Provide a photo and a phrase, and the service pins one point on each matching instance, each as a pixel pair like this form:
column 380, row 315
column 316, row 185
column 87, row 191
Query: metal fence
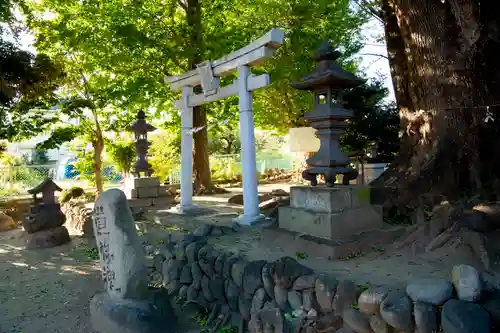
column 225, row 166
column 16, row 180
column 367, row 172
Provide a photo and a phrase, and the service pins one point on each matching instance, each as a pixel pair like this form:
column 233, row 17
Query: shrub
column 122, row 154
column 73, row 192
column 225, row 168
column 163, row 154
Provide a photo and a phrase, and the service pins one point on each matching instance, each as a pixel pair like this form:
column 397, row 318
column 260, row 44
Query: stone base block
column 147, row 192
column 324, row 199
column 163, row 191
column 146, row 182
column 331, row 226
column 48, row 238
column 137, row 205
column 154, row 315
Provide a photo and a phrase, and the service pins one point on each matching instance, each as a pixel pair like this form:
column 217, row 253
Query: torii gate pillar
column 251, row 212
column 208, row 76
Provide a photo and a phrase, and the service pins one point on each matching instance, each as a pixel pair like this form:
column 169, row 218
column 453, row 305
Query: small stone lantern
column 45, row 221
column 329, row 117
column 141, row 128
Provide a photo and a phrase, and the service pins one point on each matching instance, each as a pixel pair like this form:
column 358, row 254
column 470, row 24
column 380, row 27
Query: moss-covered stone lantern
column 329, row 117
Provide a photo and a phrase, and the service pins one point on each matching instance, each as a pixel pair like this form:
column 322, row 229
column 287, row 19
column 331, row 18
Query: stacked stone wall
column 284, row 295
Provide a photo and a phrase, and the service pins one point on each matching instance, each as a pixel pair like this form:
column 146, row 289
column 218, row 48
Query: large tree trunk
column 445, row 68
column 203, row 177
column 201, row 163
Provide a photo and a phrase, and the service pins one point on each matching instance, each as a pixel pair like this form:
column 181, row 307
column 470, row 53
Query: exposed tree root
column 454, row 226
column 202, row 190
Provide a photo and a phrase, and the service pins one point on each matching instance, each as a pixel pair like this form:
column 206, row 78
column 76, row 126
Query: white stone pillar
column 251, row 212
column 186, row 150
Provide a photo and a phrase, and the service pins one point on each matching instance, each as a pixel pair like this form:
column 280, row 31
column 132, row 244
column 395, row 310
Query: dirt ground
column 45, row 290
column 49, row 290
column 381, row 266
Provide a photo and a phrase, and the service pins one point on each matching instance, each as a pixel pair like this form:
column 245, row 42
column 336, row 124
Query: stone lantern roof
column 46, row 186
column 140, row 126
column 47, row 189
column 328, row 73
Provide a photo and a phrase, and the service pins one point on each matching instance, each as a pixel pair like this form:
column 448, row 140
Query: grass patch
column 172, row 228
column 229, row 329
column 89, row 252
column 301, row 255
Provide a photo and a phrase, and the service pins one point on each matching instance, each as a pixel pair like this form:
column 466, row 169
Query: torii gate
column 207, row 75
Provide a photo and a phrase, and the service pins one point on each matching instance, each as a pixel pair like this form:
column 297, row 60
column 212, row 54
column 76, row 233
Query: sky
column 373, row 65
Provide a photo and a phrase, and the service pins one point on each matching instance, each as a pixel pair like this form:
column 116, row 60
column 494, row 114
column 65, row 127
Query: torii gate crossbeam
column 208, row 76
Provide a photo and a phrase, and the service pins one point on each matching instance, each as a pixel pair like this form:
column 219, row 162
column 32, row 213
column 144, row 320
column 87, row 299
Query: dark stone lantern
column 141, row 128
column 329, row 116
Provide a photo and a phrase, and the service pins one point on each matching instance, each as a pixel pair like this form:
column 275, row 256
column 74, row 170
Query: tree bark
column 445, row 69
column 203, row 177
column 98, row 149
column 201, row 162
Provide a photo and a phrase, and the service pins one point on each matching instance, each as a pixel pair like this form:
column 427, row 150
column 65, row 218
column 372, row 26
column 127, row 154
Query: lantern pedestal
column 330, row 212
column 147, row 193
column 335, row 222
column 334, row 219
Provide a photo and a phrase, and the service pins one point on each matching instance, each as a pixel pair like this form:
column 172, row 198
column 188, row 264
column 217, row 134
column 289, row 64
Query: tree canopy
column 27, row 82
column 114, row 56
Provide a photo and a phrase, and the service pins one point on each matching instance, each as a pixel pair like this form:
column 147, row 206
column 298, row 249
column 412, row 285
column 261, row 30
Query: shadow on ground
column 46, row 290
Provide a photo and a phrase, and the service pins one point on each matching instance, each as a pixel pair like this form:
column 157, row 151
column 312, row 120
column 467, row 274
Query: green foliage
column 27, row 82
column 224, row 141
column 373, row 121
column 85, row 165
column 306, row 23
column 229, row 329
column 164, row 153
column 122, row 155
column 28, row 177
column 128, row 48
column 301, row 255
column 89, row 252
column 27, row 90
column 116, row 53
column 3, row 147
column 225, row 168
column 59, row 136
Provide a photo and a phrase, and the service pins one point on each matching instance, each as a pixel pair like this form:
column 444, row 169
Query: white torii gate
column 208, row 76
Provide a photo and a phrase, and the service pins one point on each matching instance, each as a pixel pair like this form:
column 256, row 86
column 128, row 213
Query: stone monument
column 44, row 223
column 145, row 192
column 331, row 212
column 128, row 305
